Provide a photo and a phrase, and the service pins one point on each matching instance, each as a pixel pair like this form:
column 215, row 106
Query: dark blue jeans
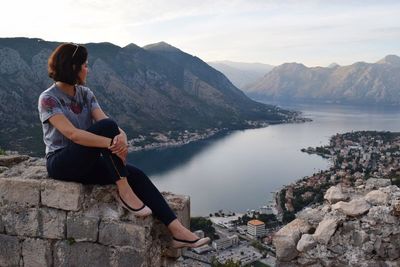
column 92, row 165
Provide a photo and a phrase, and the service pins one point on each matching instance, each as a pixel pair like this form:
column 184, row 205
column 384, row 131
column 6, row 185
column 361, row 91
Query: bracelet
column 112, row 139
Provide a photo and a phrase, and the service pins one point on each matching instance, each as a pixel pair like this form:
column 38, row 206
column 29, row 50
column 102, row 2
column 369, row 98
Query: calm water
column 238, row 171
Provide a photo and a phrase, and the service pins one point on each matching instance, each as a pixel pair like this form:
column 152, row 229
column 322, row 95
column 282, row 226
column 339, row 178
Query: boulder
column 377, row 197
column 285, row 240
column 353, row 208
column 334, row 194
column 306, row 242
column 325, row 230
column 376, row 183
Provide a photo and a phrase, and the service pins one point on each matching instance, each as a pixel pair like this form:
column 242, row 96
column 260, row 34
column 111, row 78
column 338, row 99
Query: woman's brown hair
column 65, row 63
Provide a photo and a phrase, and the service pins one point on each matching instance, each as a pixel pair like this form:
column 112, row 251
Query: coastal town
column 246, row 239
column 156, row 140
column 354, row 157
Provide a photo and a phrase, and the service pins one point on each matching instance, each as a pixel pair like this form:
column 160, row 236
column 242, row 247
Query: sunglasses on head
column 76, row 49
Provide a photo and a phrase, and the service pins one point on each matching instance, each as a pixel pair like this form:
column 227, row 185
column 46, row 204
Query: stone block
column 3, row 169
column 180, row 204
column 82, row 228
column 23, row 222
column 125, row 256
column 10, row 250
column 11, row 160
column 34, row 172
column 122, row 234
column 2, row 224
column 81, row 254
column 62, row 195
column 24, row 192
column 36, row 252
column 52, row 223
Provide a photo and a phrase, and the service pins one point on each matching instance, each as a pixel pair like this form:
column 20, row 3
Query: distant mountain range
column 154, row 88
column 362, row 83
column 239, row 73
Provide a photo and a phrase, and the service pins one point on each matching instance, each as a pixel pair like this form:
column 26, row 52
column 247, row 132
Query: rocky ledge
column 45, row 222
column 356, row 226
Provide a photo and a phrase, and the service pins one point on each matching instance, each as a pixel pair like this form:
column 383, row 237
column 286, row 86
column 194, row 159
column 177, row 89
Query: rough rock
column 325, row 230
column 285, row 240
column 396, row 208
column 376, row 183
column 306, row 242
column 353, row 208
column 377, row 197
column 334, row 194
column 351, row 233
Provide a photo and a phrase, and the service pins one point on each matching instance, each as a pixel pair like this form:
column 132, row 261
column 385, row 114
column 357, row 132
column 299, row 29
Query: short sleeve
column 93, row 104
column 48, row 106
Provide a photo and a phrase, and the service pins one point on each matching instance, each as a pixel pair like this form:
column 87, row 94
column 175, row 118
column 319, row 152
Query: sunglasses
column 76, row 49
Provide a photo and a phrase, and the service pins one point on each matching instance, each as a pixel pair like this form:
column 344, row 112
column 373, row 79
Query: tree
column 201, row 223
column 228, row 263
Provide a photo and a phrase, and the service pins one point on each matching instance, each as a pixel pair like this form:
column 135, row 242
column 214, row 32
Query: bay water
column 239, row 170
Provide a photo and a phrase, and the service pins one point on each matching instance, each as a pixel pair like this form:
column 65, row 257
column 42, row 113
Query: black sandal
column 141, row 212
column 180, row 243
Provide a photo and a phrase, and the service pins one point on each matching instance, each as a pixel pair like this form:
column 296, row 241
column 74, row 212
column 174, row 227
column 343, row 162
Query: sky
column 312, row 32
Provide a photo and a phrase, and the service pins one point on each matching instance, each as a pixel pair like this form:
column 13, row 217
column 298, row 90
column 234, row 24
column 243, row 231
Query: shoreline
column 175, row 139
column 354, row 157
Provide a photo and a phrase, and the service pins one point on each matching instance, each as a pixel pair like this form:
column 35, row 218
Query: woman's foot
column 128, row 199
column 143, row 211
column 179, row 243
column 183, row 237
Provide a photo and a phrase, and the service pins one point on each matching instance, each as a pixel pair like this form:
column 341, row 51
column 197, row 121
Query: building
column 202, row 249
column 241, row 229
column 224, row 243
column 256, row 228
column 266, row 209
column 243, row 254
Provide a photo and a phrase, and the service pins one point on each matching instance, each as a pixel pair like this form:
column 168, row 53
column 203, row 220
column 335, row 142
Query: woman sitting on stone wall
column 80, row 150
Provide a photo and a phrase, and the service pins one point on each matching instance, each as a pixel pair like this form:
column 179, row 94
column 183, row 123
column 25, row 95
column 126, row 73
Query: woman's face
column 83, row 73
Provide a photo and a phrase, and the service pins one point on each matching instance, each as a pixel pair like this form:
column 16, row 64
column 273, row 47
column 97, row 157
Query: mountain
column 239, row 73
column 358, row 83
column 152, row 89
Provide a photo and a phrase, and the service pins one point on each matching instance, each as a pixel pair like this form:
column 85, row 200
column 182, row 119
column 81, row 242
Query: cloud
column 270, row 31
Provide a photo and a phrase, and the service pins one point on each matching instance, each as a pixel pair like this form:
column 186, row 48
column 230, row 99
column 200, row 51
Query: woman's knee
column 108, row 127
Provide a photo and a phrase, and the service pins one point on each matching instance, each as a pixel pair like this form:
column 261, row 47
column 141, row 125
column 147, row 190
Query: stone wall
column 45, row 222
column 356, row 226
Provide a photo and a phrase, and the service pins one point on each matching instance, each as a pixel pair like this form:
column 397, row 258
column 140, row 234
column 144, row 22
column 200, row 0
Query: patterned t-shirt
column 76, row 108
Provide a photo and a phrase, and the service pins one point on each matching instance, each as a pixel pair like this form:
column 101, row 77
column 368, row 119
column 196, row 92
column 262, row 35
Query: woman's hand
column 119, row 144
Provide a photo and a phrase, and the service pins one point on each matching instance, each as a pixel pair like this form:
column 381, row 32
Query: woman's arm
column 78, row 136
column 120, row 145
column 98, row 114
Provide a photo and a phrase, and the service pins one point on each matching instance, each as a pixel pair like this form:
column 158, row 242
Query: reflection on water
column 164, row 160
column 238, row 171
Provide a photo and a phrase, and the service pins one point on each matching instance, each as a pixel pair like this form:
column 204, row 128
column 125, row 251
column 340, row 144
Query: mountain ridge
column 145, row 91
column 360, row 82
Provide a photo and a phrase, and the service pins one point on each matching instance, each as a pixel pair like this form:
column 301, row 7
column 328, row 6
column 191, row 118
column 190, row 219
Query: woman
column 84, row 145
